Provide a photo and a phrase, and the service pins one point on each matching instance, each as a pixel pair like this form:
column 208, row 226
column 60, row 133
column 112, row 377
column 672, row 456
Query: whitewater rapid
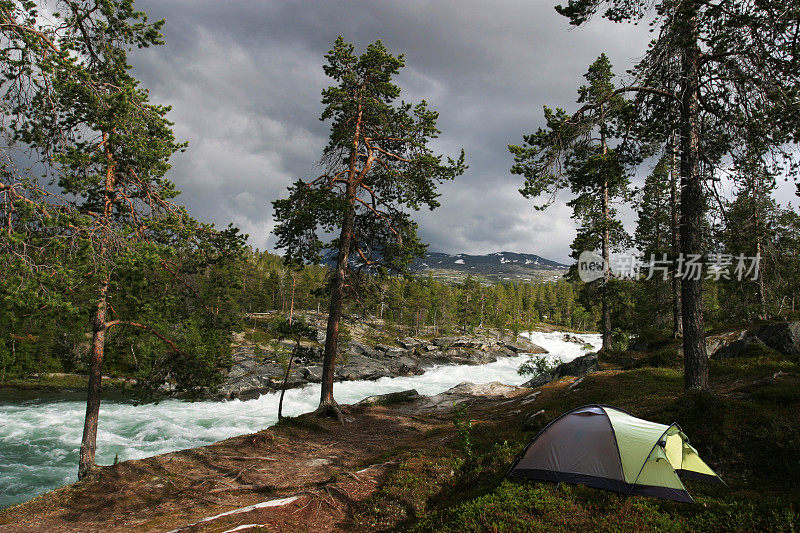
column 39, row 438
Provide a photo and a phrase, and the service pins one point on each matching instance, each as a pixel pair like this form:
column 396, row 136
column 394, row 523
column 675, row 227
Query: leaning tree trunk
column 677, row 322
column 695, row 358
column 327, row 404
column 86, row 461
column 760, row 294
column 286, row 381
column 606, row 311
column 89, row 441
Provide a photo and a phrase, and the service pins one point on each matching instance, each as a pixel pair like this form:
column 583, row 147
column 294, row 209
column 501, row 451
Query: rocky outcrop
column 391, row 398
column 578, row 367
column 783, row 337
column 253, row 375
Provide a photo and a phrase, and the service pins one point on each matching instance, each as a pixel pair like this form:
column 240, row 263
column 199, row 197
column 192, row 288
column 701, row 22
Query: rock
column 470, row 357
column 396, row 352
column 465, row 343
column 572, row 338
column 357, row 347
column 715, row 343
column 313, row 374
column 494, row 388
column 505, row 352
column 406, row 366
column 541, row 379
column 409, row 343
column 250, row 376
column 523, row 346
column 436, row 357
column 784, row 337
column 464, row 392
column 737, row 348
column 578, row 367
column 445, row 342
column 390, row 398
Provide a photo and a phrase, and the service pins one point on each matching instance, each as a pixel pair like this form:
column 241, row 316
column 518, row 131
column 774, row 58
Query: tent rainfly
column 608, row 448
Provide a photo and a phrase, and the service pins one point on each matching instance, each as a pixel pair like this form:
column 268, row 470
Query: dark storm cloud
column 244, row 80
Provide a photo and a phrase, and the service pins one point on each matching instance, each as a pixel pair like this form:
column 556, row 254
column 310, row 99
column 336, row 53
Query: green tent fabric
column 608, row 448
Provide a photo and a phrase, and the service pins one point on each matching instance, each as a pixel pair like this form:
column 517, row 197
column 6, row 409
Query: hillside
column 489, row 268
column 410, row 463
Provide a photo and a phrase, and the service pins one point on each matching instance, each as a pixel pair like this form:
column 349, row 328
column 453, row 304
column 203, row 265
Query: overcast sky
column 244, row 80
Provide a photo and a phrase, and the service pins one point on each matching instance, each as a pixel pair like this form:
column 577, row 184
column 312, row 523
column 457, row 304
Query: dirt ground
column 303, row 475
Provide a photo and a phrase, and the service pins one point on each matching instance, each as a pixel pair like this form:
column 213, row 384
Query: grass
column 306, row 422
column 748, row 429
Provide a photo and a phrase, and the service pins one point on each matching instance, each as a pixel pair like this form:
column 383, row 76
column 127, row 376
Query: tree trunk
column 695, row 358
column 285, row 381
column 86, row 461
column 762, row 297
column 89, row 441
column 327, row 405
column 326, row 402
column 677, row 321
column 291, row 307
column 606, row 311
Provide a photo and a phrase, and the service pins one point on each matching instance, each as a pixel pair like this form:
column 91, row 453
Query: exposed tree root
column 331, row 410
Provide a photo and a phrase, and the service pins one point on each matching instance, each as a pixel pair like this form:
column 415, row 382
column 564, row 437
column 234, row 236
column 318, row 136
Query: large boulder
column 313, row 374
column 721, row 341
column 446, row 342
column 359, row 367
column 784, row 337
column 410, row 343
column 405, row 366
column 578, row 367
column 740, row 347
column 522, row 346
column 390, row 398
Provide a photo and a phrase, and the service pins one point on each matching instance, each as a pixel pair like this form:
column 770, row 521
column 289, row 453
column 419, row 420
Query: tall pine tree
column 378, row 166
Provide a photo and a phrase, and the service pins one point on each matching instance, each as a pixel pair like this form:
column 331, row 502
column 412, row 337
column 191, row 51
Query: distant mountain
column 499, row 266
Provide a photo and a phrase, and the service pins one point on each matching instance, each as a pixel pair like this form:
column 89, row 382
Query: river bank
column 39, row 442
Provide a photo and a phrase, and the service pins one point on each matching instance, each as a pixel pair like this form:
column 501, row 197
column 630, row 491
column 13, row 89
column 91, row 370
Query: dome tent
column 608, row 448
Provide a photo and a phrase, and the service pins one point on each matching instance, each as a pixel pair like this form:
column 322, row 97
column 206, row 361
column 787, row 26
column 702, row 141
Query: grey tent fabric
column 608, row 448
column 584, row 442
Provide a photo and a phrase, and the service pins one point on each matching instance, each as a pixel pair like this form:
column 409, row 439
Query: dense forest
column 201, row 307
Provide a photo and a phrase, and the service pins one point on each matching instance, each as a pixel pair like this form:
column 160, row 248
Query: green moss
column 306, row 422
column 781, row 393
column 668, row 357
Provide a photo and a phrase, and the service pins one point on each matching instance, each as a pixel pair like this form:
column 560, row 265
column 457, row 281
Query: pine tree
column 108, row 147
column 378, row 165
column 567, row 154
column 730, row 79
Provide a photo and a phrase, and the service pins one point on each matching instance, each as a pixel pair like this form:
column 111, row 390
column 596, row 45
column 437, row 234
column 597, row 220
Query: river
column 40, row 435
